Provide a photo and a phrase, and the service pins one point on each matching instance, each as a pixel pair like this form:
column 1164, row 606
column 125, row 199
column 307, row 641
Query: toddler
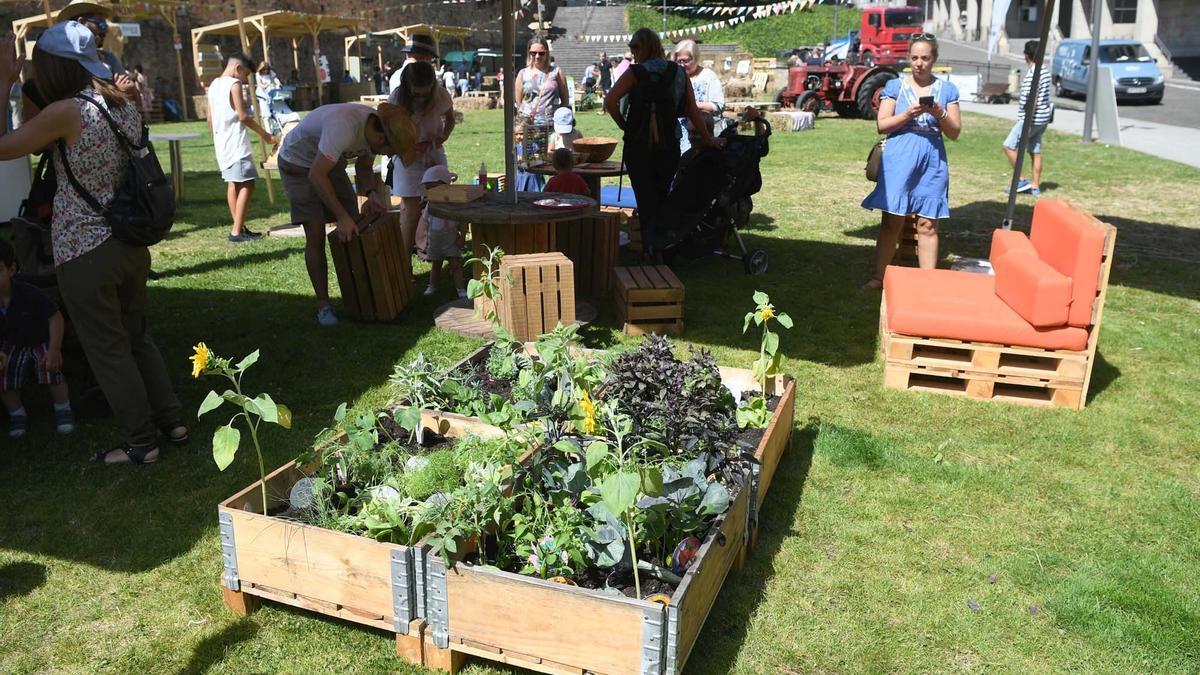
column 566, row 180
column 445, row 238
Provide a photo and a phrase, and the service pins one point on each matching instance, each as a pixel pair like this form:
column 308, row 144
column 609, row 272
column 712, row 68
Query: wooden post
column 49, row 13
column 315, row 30
column 296, row 57
column 173, row 22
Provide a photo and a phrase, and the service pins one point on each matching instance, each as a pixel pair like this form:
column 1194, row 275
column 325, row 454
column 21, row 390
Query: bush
column 760, row 37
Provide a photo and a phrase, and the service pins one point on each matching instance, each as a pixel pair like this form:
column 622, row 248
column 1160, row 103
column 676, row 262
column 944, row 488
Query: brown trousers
column 105, row 294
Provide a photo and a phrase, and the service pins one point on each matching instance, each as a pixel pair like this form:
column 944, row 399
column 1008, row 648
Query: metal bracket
column 228, row 553
column 672, row 640
column 654, row 625
column 422, row 594
column 752, row 509
column 402, row 589
column 437, row 602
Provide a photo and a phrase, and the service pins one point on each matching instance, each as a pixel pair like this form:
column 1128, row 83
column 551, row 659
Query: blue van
column 1134, row 71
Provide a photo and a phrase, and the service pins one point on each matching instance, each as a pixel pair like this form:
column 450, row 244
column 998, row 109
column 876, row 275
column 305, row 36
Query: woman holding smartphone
column 914, row 178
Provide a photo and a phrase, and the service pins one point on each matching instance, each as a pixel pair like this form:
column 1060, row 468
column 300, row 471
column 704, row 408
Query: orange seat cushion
column 964, row 306
column 1072, row 243
column 1035, row 290
column 1004, row 241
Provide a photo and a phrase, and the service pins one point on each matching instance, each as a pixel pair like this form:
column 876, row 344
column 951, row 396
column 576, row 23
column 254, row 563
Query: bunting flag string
column 739, row 15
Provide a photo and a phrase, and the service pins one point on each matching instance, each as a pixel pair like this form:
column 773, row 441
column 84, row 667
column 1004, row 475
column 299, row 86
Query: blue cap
column 73, row 40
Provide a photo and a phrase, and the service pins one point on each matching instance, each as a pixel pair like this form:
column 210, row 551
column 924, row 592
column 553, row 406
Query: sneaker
column 327, row 317
column 17, row 425
column 64, row 421
column 245, row 236
column 1024, row 185
column 429, row 291
column 1036, row 192
column 462, row 294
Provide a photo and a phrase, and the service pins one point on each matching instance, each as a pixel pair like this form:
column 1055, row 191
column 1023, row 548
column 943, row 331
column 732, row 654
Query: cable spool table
column 517, row 229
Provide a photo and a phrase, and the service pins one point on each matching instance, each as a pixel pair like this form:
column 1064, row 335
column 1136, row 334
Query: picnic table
column 173, row 140
column 590, row 172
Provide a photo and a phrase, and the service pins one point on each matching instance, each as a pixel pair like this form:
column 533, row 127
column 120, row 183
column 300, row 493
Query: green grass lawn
column 903, row 533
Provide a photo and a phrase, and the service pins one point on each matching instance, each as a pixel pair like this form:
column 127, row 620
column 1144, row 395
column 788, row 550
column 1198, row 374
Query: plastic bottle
column 483, row 175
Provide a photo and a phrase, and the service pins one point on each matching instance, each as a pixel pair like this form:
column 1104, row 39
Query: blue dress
column 914, row 176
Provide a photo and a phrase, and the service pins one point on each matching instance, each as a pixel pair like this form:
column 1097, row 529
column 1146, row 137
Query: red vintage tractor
column 849, row 90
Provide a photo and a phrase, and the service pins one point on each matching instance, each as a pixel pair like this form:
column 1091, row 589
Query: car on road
column 1135, row 74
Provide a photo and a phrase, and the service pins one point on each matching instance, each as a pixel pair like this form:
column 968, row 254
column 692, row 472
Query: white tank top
column 230, row 139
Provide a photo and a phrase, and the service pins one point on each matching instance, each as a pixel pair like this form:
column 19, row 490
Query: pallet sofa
column 1025, row 335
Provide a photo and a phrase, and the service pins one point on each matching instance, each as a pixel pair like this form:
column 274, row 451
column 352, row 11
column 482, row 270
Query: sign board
column 130, row 29
column 1108, row 122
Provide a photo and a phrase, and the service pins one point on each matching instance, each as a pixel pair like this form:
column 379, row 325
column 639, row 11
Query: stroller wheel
column 755, row 262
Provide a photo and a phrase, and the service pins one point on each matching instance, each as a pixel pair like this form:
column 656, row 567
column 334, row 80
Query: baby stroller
column 274, row 103
column 710, row 200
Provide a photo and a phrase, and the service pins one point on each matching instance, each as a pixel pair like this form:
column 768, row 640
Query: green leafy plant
column 488, row 286
column 767, row 363
column 253, row 411
column 755, row 414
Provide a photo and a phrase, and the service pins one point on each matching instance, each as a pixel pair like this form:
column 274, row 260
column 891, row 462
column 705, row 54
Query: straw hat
column 399, row 130
column 78, row 8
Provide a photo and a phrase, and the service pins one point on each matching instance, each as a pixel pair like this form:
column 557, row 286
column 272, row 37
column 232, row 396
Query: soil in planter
column 477, row 377
column 752, row 437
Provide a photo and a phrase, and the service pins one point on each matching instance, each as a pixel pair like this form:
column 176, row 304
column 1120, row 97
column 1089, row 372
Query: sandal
column 146, row 454
column 175, row 433
column 873, row 285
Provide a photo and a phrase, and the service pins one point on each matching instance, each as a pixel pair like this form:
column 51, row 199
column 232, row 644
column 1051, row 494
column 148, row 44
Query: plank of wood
column 385, row 306
column 551, row 288
column 636, row 329
column 775, row 440
column 345, row 278
column 653, row 312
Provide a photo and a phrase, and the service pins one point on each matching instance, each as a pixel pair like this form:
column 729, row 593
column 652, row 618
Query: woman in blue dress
column 914, row 178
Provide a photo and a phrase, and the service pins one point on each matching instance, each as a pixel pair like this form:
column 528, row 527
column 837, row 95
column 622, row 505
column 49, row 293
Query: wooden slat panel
column 635, row 311
column 550, row 291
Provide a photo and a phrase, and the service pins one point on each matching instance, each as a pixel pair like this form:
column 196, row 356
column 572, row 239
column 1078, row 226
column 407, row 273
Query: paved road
column 1180, row 106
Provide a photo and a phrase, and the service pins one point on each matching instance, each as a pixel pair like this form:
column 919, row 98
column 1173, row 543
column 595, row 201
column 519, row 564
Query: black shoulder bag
column 142, row 209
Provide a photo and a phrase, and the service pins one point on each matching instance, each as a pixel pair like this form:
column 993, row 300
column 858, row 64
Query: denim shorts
column 241, row 171
column 1035, row 138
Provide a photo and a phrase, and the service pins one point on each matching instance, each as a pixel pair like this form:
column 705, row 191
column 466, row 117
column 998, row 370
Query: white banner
column 999, row 13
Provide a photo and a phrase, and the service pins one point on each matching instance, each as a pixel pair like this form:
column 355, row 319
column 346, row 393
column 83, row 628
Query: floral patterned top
column 97, row 161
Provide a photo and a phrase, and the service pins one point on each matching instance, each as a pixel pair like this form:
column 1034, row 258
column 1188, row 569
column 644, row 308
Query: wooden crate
column 629, row 223
column 553, row 628
column 649, row 299
column 591, row 242
column 986, row 371
column 455, row 194
column 319, row 570
column 537, row 293
column 373, row 271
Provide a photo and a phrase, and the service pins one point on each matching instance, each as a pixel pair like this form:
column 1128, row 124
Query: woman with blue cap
column 102, row 279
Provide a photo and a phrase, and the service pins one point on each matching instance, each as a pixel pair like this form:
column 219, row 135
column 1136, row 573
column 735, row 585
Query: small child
column 31, row 334
column 445, row 237
column 565, row 133
column 566, row 180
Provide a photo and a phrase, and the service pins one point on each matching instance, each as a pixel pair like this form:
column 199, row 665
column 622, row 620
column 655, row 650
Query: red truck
column 885, row 33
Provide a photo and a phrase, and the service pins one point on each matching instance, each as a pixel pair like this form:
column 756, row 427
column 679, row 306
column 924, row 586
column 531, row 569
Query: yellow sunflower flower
column 200, row 359
column 766, row 313
column 589, row 412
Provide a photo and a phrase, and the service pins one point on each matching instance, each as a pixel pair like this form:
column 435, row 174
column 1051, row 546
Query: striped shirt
column 1041, row 114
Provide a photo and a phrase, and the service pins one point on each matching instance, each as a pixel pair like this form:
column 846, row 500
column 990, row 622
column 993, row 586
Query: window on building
column 1029, row 11
column 1124, row 11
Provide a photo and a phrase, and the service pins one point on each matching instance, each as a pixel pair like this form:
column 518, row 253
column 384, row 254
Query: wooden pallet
column 996, row 372
column 537, row 292
column 649, row 299
column 373, row 272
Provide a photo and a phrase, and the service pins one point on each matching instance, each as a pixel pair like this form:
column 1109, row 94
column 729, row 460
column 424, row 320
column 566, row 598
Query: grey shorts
column 307, row 207
column 242, row 171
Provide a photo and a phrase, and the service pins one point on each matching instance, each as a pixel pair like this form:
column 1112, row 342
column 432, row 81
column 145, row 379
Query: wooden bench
column 993, row 92
column 649, row 300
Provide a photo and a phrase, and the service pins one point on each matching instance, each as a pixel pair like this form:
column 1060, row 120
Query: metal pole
column 664, row 16
column 836, row 5
column 508, row 38
column 1030, row 108
column 1093, row 73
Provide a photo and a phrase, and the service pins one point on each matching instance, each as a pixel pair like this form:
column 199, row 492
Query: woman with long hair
column 432, row 113
column 542, row 88
column 659, row 94
column 914, row 179
column 102, row 280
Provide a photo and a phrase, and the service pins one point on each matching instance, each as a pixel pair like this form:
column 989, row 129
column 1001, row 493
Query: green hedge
column 761, row 37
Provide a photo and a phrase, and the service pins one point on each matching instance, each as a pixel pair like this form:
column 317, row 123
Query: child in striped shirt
column 1043, row 114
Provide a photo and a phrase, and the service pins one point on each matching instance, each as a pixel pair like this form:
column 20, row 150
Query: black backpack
column 653, row 113
column 142, row 210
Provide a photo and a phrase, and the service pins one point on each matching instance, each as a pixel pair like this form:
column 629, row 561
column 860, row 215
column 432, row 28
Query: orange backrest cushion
column 1004, row 241
column 1072, row 243
column 1034, row 290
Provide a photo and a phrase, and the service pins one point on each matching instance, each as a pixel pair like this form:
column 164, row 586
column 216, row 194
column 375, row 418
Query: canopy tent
column 401, row 35
column 127, row 10
column 282, row 24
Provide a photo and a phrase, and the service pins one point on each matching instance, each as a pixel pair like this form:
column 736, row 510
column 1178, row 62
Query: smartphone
column 925, row 100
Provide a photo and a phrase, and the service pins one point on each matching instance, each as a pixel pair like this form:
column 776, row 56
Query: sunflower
column 766, row 313
column 589, row 413
column 200, row 359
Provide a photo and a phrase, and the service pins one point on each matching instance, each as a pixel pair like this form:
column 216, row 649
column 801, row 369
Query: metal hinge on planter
column 671, row 667
column 654, row 625
column 437, row 603
column 402, row 589
column 228, row 553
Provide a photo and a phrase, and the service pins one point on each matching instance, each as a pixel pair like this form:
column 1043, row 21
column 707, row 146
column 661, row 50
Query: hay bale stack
column 474, row 103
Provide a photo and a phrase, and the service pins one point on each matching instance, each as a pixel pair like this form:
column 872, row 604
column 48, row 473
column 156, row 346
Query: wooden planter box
column 553, row 628
column 331, row 573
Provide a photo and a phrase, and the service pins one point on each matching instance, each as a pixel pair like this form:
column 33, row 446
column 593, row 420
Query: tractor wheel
column 809, row 102
column 846, row 109
column 782, row 99
column 869, row 91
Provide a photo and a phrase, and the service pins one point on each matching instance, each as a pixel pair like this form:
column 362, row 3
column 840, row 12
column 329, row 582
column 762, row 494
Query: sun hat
column 421, row 43
column 73, row 40
column 564, row 121
column 438, row 173
column 78, row 8
column 400, row 131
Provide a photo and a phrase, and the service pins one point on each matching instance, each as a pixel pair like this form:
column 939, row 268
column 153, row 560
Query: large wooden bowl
column 595, row 148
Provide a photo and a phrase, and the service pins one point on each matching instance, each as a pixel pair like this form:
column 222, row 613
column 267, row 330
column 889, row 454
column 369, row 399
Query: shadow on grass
column 239, row 261
column 212, row 649
column 1156, row 257
column 20, row 578
column 134, row 518
column 727, row 629
column 1103, row 373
